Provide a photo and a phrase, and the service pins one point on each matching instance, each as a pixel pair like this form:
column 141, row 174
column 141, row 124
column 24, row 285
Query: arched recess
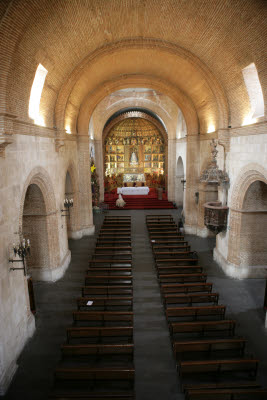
column 247, row 238
column 72, row 192
column 38, row 222
column 179, row 187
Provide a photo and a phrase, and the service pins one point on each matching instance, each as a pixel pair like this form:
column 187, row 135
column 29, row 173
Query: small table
column 143, row 190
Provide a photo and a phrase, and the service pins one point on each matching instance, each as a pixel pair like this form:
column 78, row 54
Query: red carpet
column 149, row 201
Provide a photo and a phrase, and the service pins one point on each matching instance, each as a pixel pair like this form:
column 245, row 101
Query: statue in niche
column 134, row 158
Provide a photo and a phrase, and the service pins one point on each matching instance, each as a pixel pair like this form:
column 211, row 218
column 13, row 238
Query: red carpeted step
column 139, row 202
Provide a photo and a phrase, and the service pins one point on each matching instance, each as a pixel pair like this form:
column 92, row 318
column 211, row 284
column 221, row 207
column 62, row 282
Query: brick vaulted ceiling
column 191, row 50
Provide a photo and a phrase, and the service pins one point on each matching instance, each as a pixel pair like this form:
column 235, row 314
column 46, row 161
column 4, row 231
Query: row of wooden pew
column 98, row 356
column 207, row 352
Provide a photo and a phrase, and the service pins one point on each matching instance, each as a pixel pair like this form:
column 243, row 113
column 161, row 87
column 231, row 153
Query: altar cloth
column 142, row 190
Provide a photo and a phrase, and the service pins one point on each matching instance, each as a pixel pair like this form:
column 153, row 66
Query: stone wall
column 32, row 191
column 246, row 163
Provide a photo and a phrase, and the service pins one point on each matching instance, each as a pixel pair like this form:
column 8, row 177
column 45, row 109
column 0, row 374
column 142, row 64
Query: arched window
column 254, row 90
column 36, row 92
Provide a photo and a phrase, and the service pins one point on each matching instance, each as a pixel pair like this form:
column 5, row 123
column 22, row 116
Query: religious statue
column 134, row 158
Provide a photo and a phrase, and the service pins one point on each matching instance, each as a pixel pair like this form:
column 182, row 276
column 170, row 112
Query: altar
column 143, row 190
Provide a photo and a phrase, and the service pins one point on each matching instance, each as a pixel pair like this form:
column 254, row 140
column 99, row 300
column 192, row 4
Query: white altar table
column 133, row 190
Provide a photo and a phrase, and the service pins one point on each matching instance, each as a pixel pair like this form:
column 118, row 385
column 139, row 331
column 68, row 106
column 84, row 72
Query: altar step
column 138, row 203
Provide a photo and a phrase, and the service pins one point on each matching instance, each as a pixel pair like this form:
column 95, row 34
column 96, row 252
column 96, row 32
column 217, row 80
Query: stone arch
column 72, row 191
column 64, row 109
column 130, row 81
column 39, row 181
column 239, row 215
column 143, row 103
column 179, row 187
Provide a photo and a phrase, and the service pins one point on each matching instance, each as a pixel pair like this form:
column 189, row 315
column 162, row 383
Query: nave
column 155, row 373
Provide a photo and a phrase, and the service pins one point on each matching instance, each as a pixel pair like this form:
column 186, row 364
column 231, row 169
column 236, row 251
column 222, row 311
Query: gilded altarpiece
column 135, row 147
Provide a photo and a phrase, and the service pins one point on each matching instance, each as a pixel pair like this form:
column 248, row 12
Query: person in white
column 120, row 202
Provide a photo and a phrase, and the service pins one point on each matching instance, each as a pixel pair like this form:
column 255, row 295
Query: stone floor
column 156, row 376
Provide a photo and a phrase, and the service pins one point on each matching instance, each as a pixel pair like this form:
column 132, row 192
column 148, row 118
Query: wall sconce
column 196, row 197
column 21, row 249
column 68, row 203
column 183, row 181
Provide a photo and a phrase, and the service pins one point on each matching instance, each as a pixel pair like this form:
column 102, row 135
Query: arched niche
column 253, row 238
column 248, row 211
column 34, row 227
column 38, row 221
column 179, row 187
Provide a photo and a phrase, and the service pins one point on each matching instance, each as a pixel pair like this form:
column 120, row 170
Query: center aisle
column 156, row 376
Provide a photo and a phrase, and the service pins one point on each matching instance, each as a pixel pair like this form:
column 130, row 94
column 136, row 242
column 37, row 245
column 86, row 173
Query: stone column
column 84, row 170
column 99, row 166
column 192, row 184
column 171, row 168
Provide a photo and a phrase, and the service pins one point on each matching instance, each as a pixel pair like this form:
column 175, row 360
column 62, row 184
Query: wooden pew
column 227, row 394
column 158, row 255
column 159, row 217
column 112, row 350
column 108, row 280
column 163, row 231
column 115, row 254
column 114, row 235
column 190, row 260
column 170, row 247
column 209, row 348
column 180, row 269
column 190, row 299
column 116, row 223
column 101, row 395
column 186, row 288
column 117, row 217
column 92, row 271
column 221, row 385
column 107, row 290
column 102, row 248
column 166, row 237
column 101, row 318
column 113, row 244
column 117, row 334
column 203, row 328
column 105, row 303
column 217, row 367
column 116, row 230
column 182, row 278
column 174, row 314
column 91, row 375
column 109, row 240
column 110, row 263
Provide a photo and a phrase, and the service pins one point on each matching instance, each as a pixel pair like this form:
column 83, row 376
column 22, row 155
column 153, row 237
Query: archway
column 135, row 150
column 38, row 221
column 179, row 187
column 34, row 227
column 253, row 239
column 248, row 205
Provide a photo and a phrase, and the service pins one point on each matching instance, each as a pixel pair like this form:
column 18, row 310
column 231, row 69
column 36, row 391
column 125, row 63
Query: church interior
column 133, row 159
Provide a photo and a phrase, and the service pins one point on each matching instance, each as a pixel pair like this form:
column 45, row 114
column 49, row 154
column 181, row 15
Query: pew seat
column 203, row 328
column 107, row 290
